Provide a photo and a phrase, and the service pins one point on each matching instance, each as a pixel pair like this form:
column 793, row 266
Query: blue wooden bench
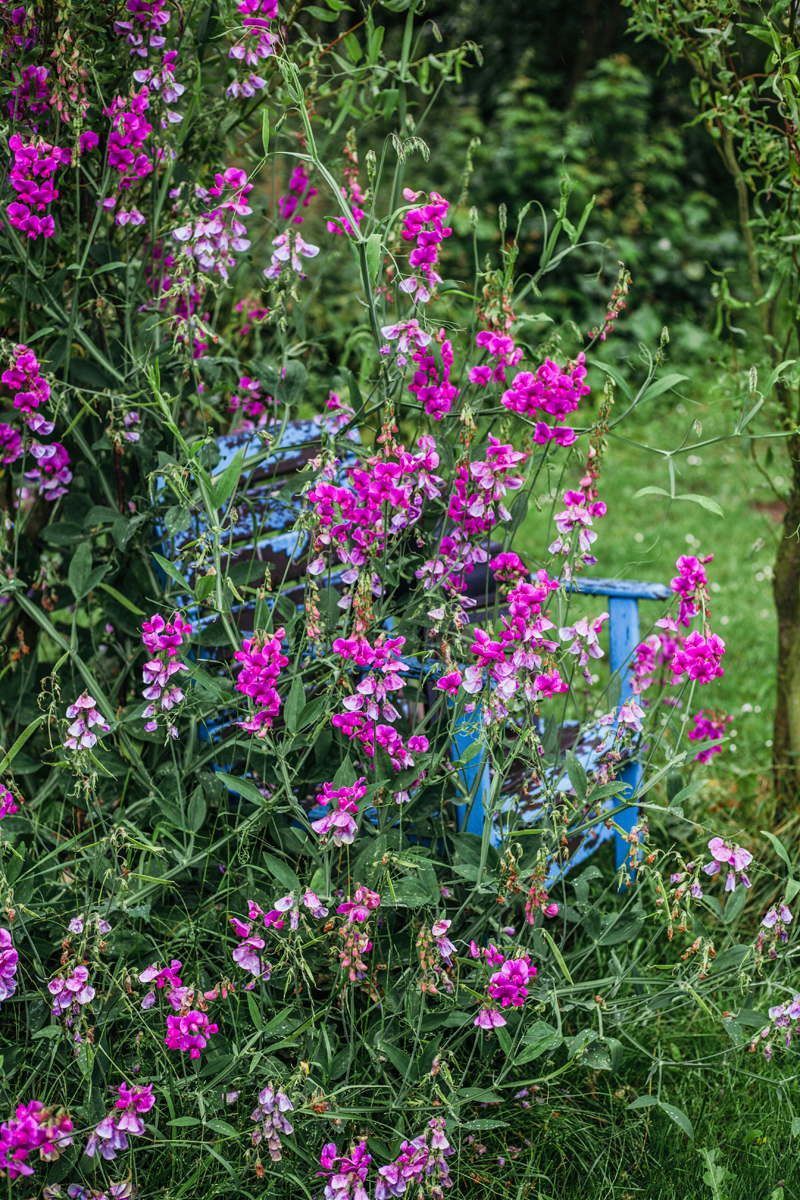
column 624, row 636
column 261, row 533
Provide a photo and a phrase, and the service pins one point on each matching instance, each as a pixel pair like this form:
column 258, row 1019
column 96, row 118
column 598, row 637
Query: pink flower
column 189, row 1032
column 733, row 856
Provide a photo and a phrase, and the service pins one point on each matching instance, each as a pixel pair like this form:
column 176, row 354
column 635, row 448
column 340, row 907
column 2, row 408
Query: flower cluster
column 287, row 904
column 434, row 974
column 24, row 378
column 247, row 953
column 70, row 993
column 708, row 726
column 514, row 658
column 8, row 965
column 419, row 1161
column 146, row 28
column 775, row 923
column 272, row 1123
column 30, row 97
column 289, row 247
column 781, row 1019
column 163, row 638
column 553, row 390
column 579, row 514
column 10, row 444
column 384, row 496
column 33, row 1127
column 129, row 131
column 734, row 857
column 257, row 41
column 436, row 395
column 212, row 238
column 691, row 585
column 51, row 472
column 262, row 662
column 699, row 658
column 249, row 401
column 85, row 718
column 125, row 1118
column 190, row 1031
column 31, row 176
column 477, row 488
column 167, row 977
column 345, row 1182
column 339, row 823
column 424, row 226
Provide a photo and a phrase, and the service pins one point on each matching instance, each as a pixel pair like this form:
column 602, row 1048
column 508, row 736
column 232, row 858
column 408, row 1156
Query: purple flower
column 271, row 1107
column 8, row 965
column 70, row 993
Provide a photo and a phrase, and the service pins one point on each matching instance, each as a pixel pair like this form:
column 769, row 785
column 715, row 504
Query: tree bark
column 786, row 590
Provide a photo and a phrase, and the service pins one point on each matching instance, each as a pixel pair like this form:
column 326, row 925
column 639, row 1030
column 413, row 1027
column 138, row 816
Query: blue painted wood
column 632, row 589
column 475, row 773
column 623, row 625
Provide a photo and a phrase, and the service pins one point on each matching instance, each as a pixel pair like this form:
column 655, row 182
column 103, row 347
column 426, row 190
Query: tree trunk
column 786, row 590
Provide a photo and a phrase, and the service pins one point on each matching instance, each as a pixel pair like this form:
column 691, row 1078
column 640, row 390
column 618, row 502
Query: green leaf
column 220, row 1126
column 295, row 703
column 123, row 600
column 540, row 1039
column 715, row 1173
column 617, row 376
column 244, row 787
column 255, row 1012
column 312, row 10
column 577, row 775
column 397, row 1057
column 557, row 955
column 204, row 587
column 659, row 386
column 650, row 491
column 227, row 481
column 779, row 847
column 80, row 568
column 265, row 129
column 20, row 742
column 518, row 512
column 373, row 252
column 281, row 871
column 703, row 501
column 171, row 571
column 184, row 1122
column 792, row 888
column 679, row 1118
column 196, row 813
column 795, row 1126
column 643, row 1102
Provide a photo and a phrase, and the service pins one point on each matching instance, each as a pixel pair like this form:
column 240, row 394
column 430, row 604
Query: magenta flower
column 33, row 1127
column 7, row 803
column 508, row 984
column 8, row 965
column 111, row 1134
column 189, row 1032
column 358, row 909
